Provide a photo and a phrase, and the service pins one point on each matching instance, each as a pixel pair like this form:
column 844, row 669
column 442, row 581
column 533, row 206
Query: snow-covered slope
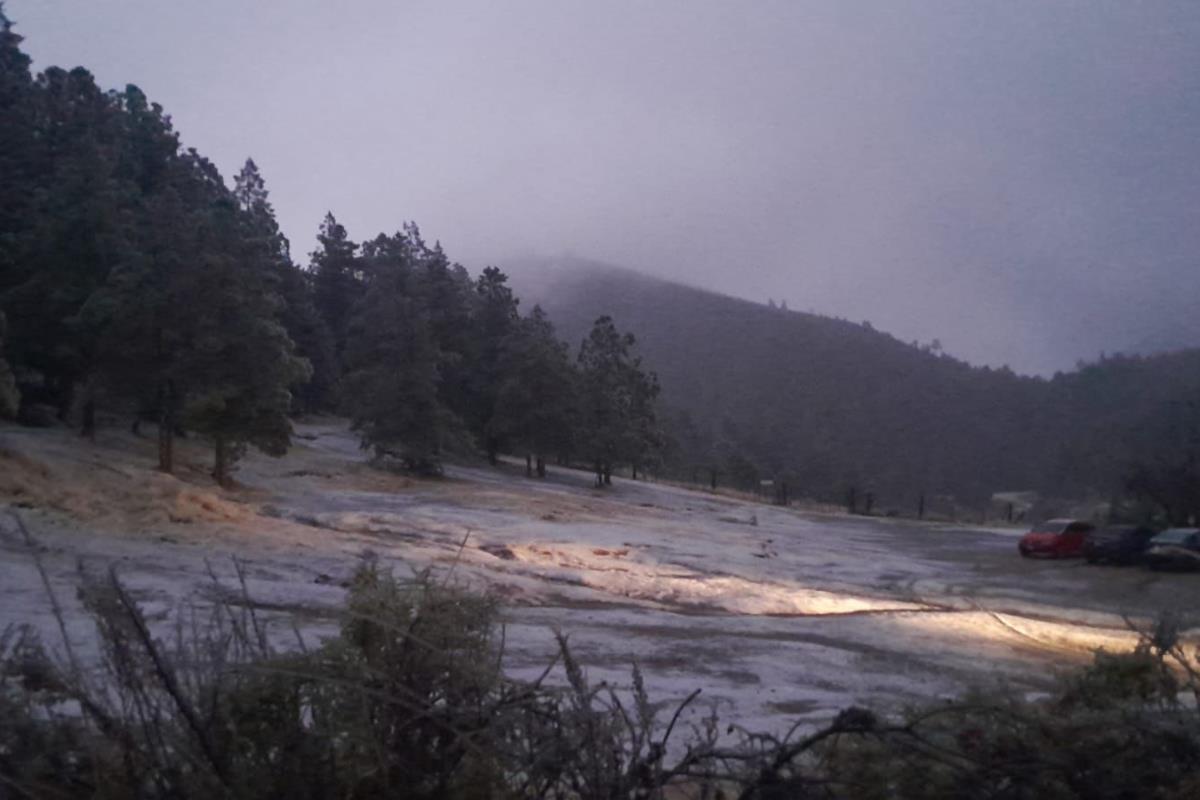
column 775, row 613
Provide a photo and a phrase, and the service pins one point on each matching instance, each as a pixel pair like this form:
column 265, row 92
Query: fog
column 1018, row 180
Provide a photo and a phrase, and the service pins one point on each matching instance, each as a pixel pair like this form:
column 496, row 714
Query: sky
column 1019, row 180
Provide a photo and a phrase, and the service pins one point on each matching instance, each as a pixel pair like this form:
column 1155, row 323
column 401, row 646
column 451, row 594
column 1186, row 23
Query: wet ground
column 775, row 613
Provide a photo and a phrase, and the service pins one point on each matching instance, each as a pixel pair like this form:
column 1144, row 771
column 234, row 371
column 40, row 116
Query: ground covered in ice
column 776, row 614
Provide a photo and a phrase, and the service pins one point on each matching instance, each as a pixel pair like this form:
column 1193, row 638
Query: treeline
column 425, row 359
column 134, row 280
column 849, row 415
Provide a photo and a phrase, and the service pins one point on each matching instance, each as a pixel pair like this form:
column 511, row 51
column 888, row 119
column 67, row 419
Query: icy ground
column 776, row 614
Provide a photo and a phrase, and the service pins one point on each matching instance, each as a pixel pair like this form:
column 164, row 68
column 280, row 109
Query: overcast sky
column 1020, row 180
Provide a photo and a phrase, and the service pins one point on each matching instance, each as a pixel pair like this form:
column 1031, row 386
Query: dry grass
column 128, row 497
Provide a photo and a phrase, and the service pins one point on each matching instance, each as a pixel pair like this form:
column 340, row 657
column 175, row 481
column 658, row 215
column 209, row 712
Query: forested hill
column 755, row 391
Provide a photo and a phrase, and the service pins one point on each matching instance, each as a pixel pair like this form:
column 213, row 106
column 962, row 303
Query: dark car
column 1117, row 545
column 1056, row 538
column 1175, row 548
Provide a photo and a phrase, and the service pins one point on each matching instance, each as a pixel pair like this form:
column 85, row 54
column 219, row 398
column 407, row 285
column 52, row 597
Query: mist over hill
column 833, row 406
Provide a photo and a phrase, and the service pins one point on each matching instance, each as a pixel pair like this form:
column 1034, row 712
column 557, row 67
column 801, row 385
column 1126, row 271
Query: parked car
column 1175, row 548
column 1124, row 544
column 1056, row 538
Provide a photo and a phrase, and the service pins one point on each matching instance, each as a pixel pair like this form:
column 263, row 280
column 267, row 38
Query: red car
column 1056, row 538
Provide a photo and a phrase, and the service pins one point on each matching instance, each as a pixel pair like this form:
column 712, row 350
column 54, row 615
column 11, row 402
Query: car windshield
column 1050, row 527
column 1175, row 536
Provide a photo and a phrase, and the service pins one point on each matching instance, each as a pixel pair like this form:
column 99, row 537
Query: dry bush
column 1125, row 727
column 129, row 498
column 409, row 700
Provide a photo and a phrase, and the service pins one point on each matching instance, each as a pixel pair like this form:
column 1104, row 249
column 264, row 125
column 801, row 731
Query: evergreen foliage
column 132, row 277
column 337, row 283
column 616, row 400
column 19, row 145
column 240, row 363
column 299, row 316
column 536, row 405
column 1165, row 470
column 393, row 357
column 495, row 319
column 71, row 233
column 134, row 280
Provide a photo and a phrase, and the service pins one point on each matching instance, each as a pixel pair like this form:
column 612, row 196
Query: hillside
column 830, row 405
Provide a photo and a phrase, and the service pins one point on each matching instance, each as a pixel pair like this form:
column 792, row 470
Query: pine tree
column 240, row 364
column 644, row 439
column 449, row 298
column 190, row 319
column 313, row 342
column 71, row 235
column 124, row 360
column 617, row 401
column 18, row 161
column 392, row 361
column 146, row 314
column 299, row 314
column 20, row 149
column 149, row 143
column 536, row 402
column 337, row 283
column 142, row 315
column 494, row 319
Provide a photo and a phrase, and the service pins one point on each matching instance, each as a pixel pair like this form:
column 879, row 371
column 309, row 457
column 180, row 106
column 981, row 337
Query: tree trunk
column 528, row 465
column 608, row 474
column 220, row 471
column 712, row 479
column 541, row 466
column 634, row 470
column 599, row 474
column 88, row 427
column 67, row 400
column 166, row 440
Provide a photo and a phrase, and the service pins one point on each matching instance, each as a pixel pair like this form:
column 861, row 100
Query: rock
column 499, row 551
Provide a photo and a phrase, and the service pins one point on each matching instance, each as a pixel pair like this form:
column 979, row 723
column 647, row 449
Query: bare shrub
column 409, row 700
